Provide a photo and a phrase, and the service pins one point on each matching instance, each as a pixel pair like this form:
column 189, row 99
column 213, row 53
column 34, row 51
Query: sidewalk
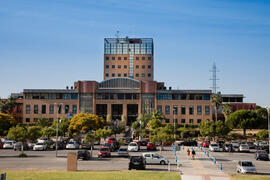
column 202, row 168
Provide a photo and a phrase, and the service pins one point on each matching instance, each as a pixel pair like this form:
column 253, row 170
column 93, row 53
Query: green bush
column 23, row 155
column 263, row 134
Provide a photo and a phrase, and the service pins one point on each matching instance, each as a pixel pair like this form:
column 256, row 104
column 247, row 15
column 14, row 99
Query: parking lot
column 46, row 160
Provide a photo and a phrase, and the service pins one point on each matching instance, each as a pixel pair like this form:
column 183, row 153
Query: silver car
column 123, row 152
column 244, row 167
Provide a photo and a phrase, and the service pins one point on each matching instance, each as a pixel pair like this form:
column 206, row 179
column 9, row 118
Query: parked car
column 266, row 148
column 18, row 146
column 115, row 145
column 133, row 146
column 244, row 148
column 85, row 145
column 83, row 154
column 72, row 145
column 40, row 147
column 188, row 143
column 9, row 145
column 205, row 144
column 251, row 145
column 144, row 142
column 153, row 158
column 104, row 152
column 1, row 144
column 43, row 140
column 220, row 143
column 214, row 147
column 30, row 145
column 245, row 167
column 227, row 147
column 151, row 146
column 126, row 140
column 123, row 152
column 235, row 145
column 261, row 155
column 111, row 139
column 137, row 162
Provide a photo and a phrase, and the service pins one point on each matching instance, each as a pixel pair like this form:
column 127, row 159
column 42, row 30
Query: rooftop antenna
column 214, row 78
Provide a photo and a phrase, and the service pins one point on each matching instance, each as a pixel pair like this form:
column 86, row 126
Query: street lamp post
column 174, row 110
column 268, row 118
column 57, row 116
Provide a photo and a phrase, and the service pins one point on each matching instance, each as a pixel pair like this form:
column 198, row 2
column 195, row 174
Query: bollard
column 201, row 148
column 214, row 159
column 204, row 150
column 220, row 166
column 183, row 147
column 3, row 176
column 207, row 153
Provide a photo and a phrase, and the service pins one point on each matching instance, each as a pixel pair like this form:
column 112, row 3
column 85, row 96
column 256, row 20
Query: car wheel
column 162, row 162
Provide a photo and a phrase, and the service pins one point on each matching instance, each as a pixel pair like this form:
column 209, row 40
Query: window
column 51, row 119
column 159, row 108
column 125, row 75
column 107, row 58
column 35, row 119
column 112, row 74
column 207, row 110
column 43, row 109
column 143, row 58
column 149, row 58
column 183, row 121
column 167, row 120
column 183, row 110
column 149, row 74
column 66, row 109
column 107, row 75
column 167, row 109
column 199, row 110
column 107, row 66
column 113, row 66
column 137, row 75
column 59, row 108
column 35, row 109
column 27, row 109
column 143, row 75
column 137, row 58
column 125, row 58
column 149, row 66
column 27, row 119
column 51, row 108
column 119, row 66
column 175, row 110
column 119, row 75
column 175, row 121
column 137, row 66
column 113, row 58
column 119, row 58
column 190, row 121
column 74, row 109
column 191, row 110
column 125, row 66
column 199, row 121
column 143, row 66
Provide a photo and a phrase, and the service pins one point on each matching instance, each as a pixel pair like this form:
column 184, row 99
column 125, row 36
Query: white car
column 153, row 158
column 133, row 146
column 214, row 147
column 9, row 145
column 72, row 145
column 245, row 167
column 244, row 148
column 40, row 147
column 235, row 146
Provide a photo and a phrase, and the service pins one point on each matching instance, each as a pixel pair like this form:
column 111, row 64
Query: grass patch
column 97, row 175
column 250, row 177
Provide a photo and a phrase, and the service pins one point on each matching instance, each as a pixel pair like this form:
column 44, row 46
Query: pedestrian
column 188, row 153
column 193, row 154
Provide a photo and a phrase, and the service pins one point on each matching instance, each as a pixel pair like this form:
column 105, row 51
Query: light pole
column 174, row 110
column 56, row 141
column 268, row 118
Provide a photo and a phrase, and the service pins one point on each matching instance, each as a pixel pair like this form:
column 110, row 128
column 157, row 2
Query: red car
column 151, row 146
column 104, row 152
column 110, row 140
column 1, row 144
column 205, row 144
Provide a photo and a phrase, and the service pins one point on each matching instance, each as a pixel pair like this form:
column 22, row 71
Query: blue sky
column 51, row 44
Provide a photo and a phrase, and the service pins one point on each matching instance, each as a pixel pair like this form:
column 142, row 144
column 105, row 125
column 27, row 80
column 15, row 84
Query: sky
column 50, row 44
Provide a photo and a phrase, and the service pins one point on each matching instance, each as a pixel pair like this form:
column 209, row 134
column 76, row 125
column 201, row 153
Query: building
column 127, row 89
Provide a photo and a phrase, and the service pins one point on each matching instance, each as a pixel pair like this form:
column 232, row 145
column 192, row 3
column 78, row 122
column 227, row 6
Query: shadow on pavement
column 17, row 156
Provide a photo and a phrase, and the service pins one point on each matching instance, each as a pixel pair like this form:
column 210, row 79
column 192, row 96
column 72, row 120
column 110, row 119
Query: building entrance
column 132, row 113
column 117, row 111
column 102, row 110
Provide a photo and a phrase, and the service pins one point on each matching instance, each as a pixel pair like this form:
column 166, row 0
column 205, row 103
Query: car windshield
column 8, row 143
column 214, row 145
column 39, row 143
column 262, row 152
column 123, row 149
column 245, row 146
column 133, row 144
column 104, row 149
column 247, row 163
column 71, row 143
column 136, row 159
column 250, row 143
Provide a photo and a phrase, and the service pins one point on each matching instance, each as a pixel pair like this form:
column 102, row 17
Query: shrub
column 263, row 134
column 23, row 155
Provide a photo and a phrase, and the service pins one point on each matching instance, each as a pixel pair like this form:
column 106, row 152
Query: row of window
column 167, row 96
column 35, row 119
column 125, row 75
column 43, row 109
column 123, row 96
column 51, row 96
column 183, row 110
column 125, row 66
column 183, row 121
column 125, row 58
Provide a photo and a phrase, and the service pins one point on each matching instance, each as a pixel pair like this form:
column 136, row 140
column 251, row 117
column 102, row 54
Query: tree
column 221, row 129
column 18, row 134
column 117, row 127
column 216, row 101
column 263, row 134
column 6, row 122
column 139, row 126
column 262, row 118
column 102, row 133
column 7, row 105
column 158, row 115
column 34, row 132
column 244, row 119
column 207, row 128
column 226, row 110
column 43, row 122
column 163, row 135
column 83, row 123
column 48, row 132
column 63, row 125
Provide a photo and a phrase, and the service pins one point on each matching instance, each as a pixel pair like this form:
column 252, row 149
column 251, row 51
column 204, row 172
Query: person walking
column 193, row 154
column 188, row 153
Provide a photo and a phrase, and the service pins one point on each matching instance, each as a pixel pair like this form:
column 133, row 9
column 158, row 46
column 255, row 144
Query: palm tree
column 226, row 110
column 216, row 101
column 7, row 105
